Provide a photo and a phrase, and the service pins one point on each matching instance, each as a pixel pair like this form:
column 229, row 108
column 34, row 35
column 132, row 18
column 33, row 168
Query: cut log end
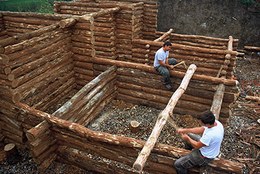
column 16, row 97
column 9, row 147
column 134, row 126
column 138, row 167
column 12, row 155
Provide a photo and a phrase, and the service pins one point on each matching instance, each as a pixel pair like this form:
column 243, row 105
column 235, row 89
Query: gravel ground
column 118, row 115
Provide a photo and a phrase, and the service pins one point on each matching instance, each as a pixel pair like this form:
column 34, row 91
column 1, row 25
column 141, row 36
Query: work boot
column 168, row 86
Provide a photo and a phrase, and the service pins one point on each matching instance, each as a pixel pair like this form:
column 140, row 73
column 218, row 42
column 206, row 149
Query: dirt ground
column 242, row 135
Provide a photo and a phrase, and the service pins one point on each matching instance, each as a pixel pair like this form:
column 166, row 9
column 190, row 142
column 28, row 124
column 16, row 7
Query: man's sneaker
column 168, row 86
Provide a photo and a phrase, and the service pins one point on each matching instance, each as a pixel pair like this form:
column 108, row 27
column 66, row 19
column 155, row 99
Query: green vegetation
column 40, row 6
column 248, row 2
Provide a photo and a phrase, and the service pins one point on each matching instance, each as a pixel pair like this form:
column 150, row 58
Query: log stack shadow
column 58, row 71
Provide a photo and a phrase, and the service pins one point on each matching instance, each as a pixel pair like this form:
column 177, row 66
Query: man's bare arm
column 195, row 144
column 195, row 130
column 165, row 64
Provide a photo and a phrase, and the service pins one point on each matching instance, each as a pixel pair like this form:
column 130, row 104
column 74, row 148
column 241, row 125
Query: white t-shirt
column 212, row 138
column 160, row 55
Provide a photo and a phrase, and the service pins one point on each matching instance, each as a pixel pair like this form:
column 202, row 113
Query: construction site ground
column 242, row 135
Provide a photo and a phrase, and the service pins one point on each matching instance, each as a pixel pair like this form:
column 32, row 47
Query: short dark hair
column 207, row 117
column 167, row 43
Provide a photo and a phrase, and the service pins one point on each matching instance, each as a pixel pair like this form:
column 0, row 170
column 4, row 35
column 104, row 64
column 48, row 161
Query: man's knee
column 172, row 61
column 177, row 164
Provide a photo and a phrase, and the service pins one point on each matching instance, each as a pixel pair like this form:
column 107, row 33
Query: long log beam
column 148, row 68
column 162, row 119
column 186, row 47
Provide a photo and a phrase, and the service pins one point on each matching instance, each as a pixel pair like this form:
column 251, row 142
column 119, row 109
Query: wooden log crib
column 59, row 71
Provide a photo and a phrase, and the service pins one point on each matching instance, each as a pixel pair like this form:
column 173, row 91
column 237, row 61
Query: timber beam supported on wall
column 162, row 119
column 147, row 68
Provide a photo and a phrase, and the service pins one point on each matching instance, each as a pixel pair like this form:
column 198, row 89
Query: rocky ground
column 241, row 142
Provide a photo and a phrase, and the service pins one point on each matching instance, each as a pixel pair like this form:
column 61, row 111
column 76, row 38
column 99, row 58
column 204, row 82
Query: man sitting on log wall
column 206, row 149
column 162, row 63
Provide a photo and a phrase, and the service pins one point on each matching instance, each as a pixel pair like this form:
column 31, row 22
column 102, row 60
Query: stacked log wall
column 141, row 84
column 208, row 43
column 36, row 68
column 149, row 19
column 113, row 34
column 42, row 145
column 89, row 101
column 208, row 60
column 102, row 152
column 18, row 23
column 82, row 41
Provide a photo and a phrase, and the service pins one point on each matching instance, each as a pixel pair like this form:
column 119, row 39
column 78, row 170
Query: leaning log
column 217, row 100
column 162, row 118
column 164, row 36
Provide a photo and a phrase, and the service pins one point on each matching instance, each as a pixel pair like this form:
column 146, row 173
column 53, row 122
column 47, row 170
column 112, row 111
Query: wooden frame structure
column 59, row 71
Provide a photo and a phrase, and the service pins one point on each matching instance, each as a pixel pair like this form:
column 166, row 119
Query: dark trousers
column 165, row 72
column 191, row 160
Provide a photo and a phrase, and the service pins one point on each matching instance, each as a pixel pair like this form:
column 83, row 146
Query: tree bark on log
column 162, row 118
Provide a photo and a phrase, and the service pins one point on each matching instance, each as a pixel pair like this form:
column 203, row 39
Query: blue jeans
column 165, row 72
column 191, row 160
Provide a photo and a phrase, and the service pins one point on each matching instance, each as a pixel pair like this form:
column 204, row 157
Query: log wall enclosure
column 58, row 71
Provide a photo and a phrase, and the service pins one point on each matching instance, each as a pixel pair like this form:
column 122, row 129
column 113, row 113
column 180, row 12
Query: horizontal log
column 47, row 162
column 85, row 90
column 26, row 89
column 44, row 56
column 26, row 55
column 147, row 68
column 47, row 88
column 42, row 157
column 252, row 48
column 41, row 70
column 4, row 59
column 95, row 102
column 185, row 47
column 17, row 39
column 61, row 95
column 85, row 103
column 37, row 131
column 223, row 41
column 98, row 109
